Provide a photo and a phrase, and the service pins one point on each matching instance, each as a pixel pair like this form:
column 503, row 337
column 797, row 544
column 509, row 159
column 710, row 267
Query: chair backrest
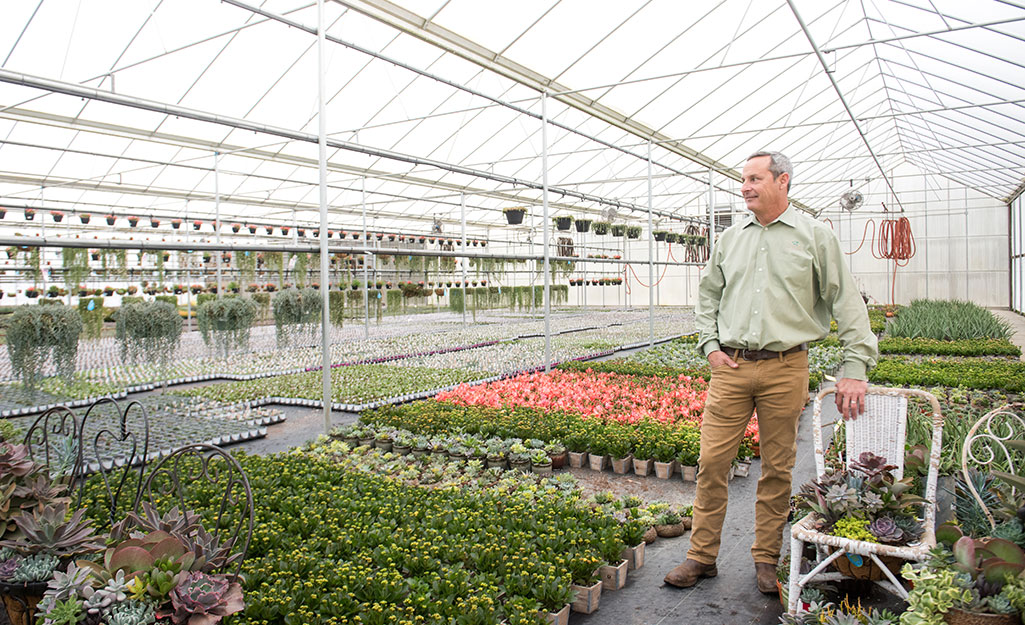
column 55, row 440
column 882, row 429
column 985, row 448
column 74, row 447
column 194, row 468
column 116, row 453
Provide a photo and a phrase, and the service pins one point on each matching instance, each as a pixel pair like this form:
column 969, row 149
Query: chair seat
column 804, row 531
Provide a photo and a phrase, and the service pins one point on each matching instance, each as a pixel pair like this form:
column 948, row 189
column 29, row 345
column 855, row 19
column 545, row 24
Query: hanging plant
column 225, row 324
column 110, row 219
column 633, row 232
column 269, row 229
column 295, row 315
column 154, row 222
column 30, row 214
column 301, row 231
column 149, row 332
column 284, row 230
column 85, row 217
column 601, row 228
column 37, row 334
column 563, row 222
column 75, row 263
column 133, row 221
column 57, row 216
column 252, row 229
column 176, row 223
column 514, row 214
column 583, row 225
column 197, row 224
column 618, row 230
column 236, row 227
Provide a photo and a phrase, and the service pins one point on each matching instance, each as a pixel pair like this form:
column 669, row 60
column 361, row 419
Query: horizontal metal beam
column 313, row 248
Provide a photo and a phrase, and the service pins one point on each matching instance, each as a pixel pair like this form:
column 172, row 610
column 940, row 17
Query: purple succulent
column 201, row 599
column 7, row 567
column 886, row 530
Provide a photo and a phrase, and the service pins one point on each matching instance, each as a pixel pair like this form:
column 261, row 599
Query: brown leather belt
column 762, row 354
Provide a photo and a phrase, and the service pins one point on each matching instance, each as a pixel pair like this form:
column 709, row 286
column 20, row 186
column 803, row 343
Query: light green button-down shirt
column 777, row 286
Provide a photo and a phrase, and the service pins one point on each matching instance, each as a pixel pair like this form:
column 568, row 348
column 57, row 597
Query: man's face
column 761, row 193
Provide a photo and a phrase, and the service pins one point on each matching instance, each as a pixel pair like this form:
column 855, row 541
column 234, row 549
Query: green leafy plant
column 148, row 332
column 225, row 323
column 38, row 334
column 296, row 313
column 948, row 321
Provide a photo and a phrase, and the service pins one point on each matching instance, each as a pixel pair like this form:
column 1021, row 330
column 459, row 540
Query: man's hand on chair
column 850, row 397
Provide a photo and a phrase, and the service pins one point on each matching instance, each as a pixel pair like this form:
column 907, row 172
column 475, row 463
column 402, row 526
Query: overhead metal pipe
column 89, row 93
column 325, row 284
column 839, row 94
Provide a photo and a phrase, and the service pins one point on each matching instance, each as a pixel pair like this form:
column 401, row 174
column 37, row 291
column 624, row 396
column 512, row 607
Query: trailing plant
column 76, row 266
column 38, row 334
column 247, row 266
column 92, row 312
column 225, row 324
column 148, row 332
column 295, row 315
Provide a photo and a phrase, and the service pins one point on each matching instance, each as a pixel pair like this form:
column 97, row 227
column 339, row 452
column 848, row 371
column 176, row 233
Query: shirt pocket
column 795, row 267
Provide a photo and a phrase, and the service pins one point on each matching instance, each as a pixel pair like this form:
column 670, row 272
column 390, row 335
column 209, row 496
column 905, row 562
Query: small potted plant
column 176, row 223
column 688, row 461
column 236, row 227
column 252, row 228
column 133, row 221
column 586, row 584
column 519, row 457
column 197, row 224
column 154, row 222
column 57, row 216
column 540, row 462
column 644, row 456
column 30, row 214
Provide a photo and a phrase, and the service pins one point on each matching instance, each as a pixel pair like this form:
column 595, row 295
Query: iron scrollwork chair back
column 114, row 468
column 55, row 440
column 189, row 469
column 985, row 445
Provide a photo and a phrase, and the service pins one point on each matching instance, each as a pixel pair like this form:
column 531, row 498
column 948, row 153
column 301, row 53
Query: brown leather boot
column 688, row 573
column 766, row 574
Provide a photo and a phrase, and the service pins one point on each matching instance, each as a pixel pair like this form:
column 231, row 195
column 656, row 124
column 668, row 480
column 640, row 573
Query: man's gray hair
column 778, row 164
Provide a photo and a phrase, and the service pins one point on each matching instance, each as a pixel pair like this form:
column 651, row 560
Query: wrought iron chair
column 116, row 454
column 191, row 468
column 986, row 446
column 55, row 440
column 58, row 439
column 881, row 430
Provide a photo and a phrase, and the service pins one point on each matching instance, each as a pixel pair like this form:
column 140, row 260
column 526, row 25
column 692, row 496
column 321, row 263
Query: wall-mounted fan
column 851, row 200
column 609, row 214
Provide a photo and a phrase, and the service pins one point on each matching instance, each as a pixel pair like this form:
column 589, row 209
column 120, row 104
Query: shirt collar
column 788, row 217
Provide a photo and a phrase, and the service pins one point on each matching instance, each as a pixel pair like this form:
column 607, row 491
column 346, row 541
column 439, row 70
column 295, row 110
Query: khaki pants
column 778, row 389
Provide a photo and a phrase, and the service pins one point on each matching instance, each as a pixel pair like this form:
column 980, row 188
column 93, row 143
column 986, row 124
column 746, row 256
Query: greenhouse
column 442, row 311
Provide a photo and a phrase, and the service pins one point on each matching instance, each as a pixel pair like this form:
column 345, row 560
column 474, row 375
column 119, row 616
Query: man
column 771, row 286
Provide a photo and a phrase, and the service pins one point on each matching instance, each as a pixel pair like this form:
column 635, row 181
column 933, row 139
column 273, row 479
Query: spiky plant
column 46, row 531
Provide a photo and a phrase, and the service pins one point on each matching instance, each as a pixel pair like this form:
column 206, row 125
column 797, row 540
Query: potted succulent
column 514, row 214
column 540, row 462
column 519, row 457
column 864, row 503
column 613, row 572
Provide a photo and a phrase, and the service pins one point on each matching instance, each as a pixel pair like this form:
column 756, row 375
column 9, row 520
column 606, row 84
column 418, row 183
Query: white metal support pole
column 366, row 266
column 544, row 203
column 711, row 214
column 462, row 235
column 217, row 218
column 651, row 260
column 325, row 287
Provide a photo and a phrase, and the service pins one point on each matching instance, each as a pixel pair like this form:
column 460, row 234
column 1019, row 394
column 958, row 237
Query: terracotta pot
column 559, row 460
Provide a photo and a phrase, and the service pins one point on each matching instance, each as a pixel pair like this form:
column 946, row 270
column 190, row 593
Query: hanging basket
column 515, row 216
column 20, row 600
column 583, row 225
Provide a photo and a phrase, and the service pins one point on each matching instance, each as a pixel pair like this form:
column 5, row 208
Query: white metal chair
column 881, row 430
column 985, row 446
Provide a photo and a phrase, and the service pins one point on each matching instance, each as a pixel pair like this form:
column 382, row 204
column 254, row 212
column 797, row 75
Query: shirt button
column 763, row 249
column 759, row 269
column 756, row 312
column 758, row 290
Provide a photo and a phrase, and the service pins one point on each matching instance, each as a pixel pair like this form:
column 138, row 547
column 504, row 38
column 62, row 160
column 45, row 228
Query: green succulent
column 114, row 591
column 65, row 612
column 130, row 612
column 35, row 568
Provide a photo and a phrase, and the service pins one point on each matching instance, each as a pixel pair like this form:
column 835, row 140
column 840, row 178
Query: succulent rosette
column 886, row 530
column 202, row 599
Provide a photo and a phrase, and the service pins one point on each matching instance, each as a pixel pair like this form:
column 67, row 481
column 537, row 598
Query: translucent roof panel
column 438, row 103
